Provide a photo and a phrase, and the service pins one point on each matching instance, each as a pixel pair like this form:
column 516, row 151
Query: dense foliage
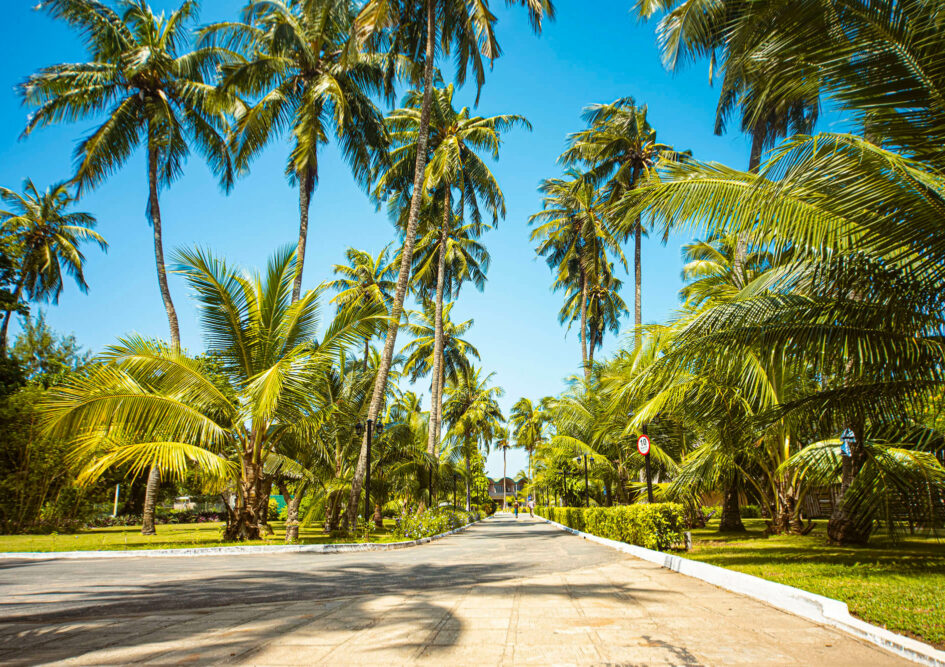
column 414, row 525
column 658, row 526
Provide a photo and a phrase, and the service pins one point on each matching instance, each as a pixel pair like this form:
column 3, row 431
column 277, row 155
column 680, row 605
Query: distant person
column 531, row 508
column 515, row 508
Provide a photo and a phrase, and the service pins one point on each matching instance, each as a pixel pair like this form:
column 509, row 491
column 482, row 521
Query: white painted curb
column 808, row 605
column 228, row 551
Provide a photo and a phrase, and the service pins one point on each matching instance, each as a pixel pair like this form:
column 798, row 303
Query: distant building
column 512, row 488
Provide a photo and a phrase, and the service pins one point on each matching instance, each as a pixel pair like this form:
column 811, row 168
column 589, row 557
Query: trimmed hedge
column 658, row 526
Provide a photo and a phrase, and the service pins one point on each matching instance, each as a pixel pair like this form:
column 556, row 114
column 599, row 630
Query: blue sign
column 847, row 438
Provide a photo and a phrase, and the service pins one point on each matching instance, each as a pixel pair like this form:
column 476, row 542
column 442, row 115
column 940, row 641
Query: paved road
column 505, row 592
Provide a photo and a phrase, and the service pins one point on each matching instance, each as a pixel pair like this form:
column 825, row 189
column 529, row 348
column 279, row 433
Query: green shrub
column 750, row 511
column 658, row 526
column 413, row 526
column 487, row 508
column 272, row 513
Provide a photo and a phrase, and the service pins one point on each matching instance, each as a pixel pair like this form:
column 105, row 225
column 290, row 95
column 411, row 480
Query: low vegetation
column 177, row 536
column 896, row 584
column 657, row 526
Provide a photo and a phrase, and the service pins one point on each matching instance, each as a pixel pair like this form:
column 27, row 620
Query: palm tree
column 598, row 300
column 453, row 163
column 456, row 354
column 48, row 239
column 528, row 422
column 710, row 274
column 620, row 147
column 504, row 443
column 574, row 237
column 148, row 404
column 149, row 90
column 365, row 279
column 774, row 95
column 472, row 412
column 310, row 81
column 453, row 26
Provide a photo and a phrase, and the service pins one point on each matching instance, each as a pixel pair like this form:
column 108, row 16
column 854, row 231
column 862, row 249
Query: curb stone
column 801, row 603
column 229, row 551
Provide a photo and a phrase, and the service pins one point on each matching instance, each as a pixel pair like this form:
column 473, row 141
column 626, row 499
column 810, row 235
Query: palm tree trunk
column 741, row 247
column 292, row 511
column 387, row 357
column 844, row 525
column 367, row 351
column 154, row 209
column 584, row 361
column 637, row 285
column 250, row 508
column 731, row 519
column 9, row 315
column 436, row 401
column 469, row 477
column 505, row 503
column 306, row 187
column 439, row 414
column 150, row 501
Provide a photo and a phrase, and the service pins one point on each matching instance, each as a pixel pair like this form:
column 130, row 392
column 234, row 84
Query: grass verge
column 169, row 536
column 899, row 585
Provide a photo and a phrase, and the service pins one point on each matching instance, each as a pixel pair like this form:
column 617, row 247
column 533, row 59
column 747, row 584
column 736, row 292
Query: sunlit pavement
column 508, row 591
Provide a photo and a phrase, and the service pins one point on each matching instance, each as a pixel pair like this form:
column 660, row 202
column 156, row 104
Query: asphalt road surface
column 504, row 592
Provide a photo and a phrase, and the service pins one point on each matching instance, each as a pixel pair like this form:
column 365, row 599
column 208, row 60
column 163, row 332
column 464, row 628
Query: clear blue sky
column 582, row 58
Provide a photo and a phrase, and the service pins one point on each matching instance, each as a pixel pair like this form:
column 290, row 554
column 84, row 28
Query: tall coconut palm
column 416, row 27
column 365, row 279
column 48, row 239
column 574, row 236
column 150, row 91
column 148, row 404
column 772, row 98
column 598, row 299
column 528, row 422
column 620, row 147
column 457, row 352
column 503, row 443
column 454, row 169
column 308, row 80
column 473, row 415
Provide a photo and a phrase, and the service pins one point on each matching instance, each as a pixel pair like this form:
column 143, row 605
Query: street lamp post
column 372, row 426
column 564, row 485
column 649, row 477
column 587, row 495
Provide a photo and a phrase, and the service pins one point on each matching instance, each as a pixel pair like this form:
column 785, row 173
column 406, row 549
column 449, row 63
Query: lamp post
column 359, row 428
column 587, row 495
column 649, row 477
column 564, row 484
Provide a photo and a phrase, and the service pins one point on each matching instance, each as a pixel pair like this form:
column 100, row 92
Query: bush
column 657, row 526
column 750, row 512
column 413, row 526
column 487, row 508
column 160, row 518
column 273, row 512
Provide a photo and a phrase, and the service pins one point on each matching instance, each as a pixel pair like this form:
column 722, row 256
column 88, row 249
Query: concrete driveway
column 505, row 592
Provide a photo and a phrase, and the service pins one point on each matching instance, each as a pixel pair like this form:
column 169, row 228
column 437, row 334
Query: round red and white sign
column 643, row 445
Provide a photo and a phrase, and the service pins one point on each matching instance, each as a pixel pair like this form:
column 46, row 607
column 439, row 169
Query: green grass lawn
column 898, row 585
column 169, row 536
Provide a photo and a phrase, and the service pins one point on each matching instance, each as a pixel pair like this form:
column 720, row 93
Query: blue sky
column 583, row 58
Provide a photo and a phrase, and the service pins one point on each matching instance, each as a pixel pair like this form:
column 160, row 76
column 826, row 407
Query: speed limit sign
column 643, row 445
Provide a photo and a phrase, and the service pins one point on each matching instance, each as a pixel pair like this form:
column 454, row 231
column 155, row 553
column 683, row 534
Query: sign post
column 643, row 446
column 847, row 439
